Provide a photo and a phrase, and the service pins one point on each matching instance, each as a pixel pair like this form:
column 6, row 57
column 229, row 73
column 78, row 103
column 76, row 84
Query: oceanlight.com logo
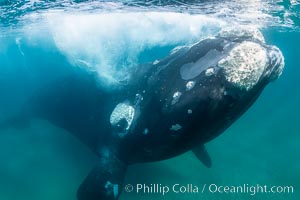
column 207, row 188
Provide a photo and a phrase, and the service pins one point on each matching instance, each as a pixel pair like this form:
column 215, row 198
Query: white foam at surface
column 111, row 43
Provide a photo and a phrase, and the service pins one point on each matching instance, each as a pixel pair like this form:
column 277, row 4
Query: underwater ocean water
column 42, row 40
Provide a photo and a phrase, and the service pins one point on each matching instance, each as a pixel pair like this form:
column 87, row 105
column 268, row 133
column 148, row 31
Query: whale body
column 172, row 106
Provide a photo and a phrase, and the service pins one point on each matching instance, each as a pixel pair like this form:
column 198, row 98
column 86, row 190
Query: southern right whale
column 173, row 105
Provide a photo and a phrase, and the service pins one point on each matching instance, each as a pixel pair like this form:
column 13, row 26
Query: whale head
column 207, row 86
column 195, row 93
column 250, row 62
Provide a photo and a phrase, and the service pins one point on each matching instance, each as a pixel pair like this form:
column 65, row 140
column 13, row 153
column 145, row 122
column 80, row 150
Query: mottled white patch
column 175, row 127
column 189, row 85
column 277, row 59
column 189, row 111
column 245, row 31
column 244, row 65
column 146, row 131
column 209, row 71
column 176, row 97
column 122, row 111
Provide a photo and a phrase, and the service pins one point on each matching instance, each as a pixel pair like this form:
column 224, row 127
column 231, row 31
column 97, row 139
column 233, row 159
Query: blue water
column 43, row 40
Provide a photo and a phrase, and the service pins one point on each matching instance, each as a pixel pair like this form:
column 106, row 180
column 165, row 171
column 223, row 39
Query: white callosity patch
column 189, row 85
column 176, row 127
column 189, row 111
column 244, row 65
column 122, row 111
column 277, row 59
column 243, row 31
column 209, row 71
column 176, row 97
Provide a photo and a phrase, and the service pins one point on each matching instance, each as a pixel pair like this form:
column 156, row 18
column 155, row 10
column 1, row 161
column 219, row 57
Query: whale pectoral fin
column 104, row 181
column 202, row 154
